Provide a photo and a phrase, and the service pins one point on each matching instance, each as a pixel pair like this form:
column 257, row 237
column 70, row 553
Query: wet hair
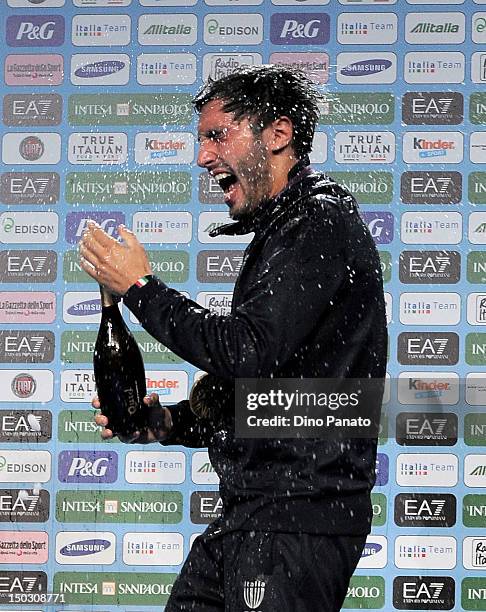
column 265, row 93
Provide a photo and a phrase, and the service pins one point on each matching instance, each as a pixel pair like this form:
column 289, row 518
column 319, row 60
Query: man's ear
column 282, row 134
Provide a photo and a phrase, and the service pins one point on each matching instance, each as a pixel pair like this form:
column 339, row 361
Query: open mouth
column 225, row 180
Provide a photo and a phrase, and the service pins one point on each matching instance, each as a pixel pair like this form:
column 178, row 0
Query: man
column 308, row 303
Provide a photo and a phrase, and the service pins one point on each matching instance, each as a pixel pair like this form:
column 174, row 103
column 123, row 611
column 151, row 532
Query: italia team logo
column 253, row 593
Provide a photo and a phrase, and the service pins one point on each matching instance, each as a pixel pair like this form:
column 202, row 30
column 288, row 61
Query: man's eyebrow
column 212, row 133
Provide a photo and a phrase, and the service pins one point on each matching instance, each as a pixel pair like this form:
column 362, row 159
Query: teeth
column 221, row 176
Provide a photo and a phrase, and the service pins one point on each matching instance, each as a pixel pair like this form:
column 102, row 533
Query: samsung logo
column 370, row 66
column 88, row 307
column 98, row 69
column 371, row 549
column 85, row 547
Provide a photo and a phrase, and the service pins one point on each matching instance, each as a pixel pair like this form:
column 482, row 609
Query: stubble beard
column 254, row 170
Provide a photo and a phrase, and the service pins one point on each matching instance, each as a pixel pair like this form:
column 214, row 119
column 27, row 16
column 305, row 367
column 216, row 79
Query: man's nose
column 206, row 154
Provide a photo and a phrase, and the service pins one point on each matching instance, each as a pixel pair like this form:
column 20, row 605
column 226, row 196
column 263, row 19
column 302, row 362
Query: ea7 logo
column 431, row 591
column 437, row 346
column 426, row 185
column 433, row 507
column 427, row 427
column 428, row 348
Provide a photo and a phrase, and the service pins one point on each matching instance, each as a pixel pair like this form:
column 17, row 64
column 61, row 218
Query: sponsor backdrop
column 97, row 123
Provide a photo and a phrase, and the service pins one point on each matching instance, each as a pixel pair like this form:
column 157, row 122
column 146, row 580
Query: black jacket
column 308, row 302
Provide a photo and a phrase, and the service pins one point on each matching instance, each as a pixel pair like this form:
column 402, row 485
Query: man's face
column 237, row 159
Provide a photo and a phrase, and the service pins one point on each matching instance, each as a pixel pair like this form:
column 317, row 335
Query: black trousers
column 248, row 571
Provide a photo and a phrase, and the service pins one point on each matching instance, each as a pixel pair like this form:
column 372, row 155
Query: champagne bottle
column 119, row 373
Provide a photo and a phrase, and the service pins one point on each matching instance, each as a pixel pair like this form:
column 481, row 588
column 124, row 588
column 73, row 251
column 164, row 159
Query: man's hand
column 160, row 421
column 115, row 265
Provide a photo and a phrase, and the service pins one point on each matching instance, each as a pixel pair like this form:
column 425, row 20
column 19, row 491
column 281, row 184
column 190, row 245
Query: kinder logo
column 361, row 67
column 426, row 429
column 23, row 426
column 217, row 65
column 35, row 30
column 315, row 65
column 25, row 466
column 88, row 466
column 380, row 225
column 474, row 553
column 430, row 308
column 425, row 510
column 101, row 30
column 475, row 471
column 431, row 187
column 38, row 70
column 18, row 346
column 155, row 467
column 27, row 385
column 217, row 303
column 428, row 348
column 422, row 470
column 202, row 472
column 434, row 552
column 160, row 227
column 430, row 148
column 98, row 148
column 171, row 386
column 300, row 29
column 166, row 68
column 95, row 69
column 164, row 148
column 81, row 307
column 367, row 28
column 153, row 548
column 439, row 28
column 78, row 386
column 375, row 553
column 431, row 228
column 423, row 593
column 85, row 548
column 28, row 266
column 76, row 223
column 206, row 506
column 24, row 505
column 32, row 109
column 31, row 307
column 218, row 266
column 23, row 547
column 168, row 29
column 226, row 29
column 211, row 221
column 476, row 309
column 18, row 148
column 424, row 267
column 364, row 147
column 426, row 389
column 433, row 108
column 429, row 67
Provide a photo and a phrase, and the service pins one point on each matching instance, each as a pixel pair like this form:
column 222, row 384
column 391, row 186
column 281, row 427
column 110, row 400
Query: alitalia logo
column 480, row 470
column 163, row 30
column 481, row 228
column 206, row 468
column 435, row 28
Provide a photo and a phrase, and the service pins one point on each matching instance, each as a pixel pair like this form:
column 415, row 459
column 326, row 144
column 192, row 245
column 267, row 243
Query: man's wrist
column 143, row 280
